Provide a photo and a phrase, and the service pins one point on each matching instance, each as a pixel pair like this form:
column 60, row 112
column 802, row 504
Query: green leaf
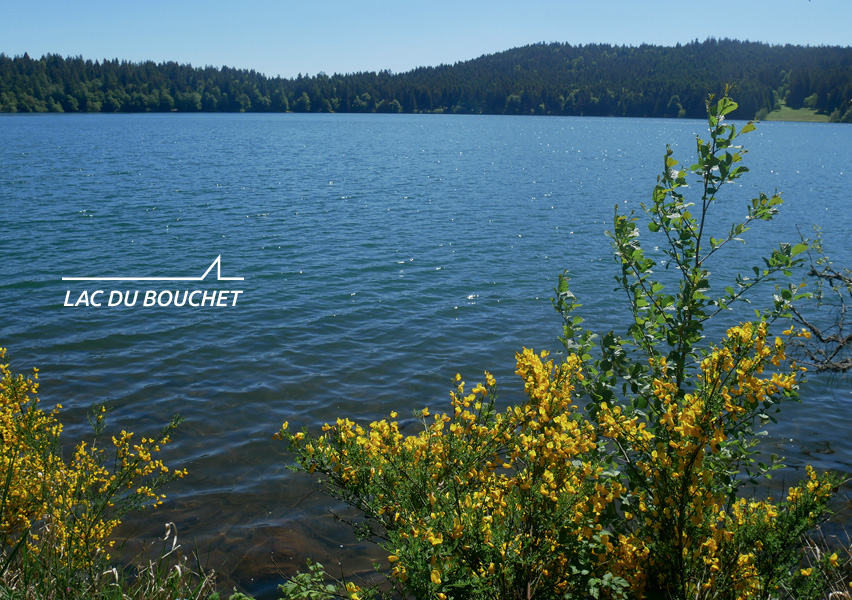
column 798, row 249
column 725, row 106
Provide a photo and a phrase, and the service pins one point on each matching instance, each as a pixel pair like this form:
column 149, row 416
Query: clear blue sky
column 282, row 37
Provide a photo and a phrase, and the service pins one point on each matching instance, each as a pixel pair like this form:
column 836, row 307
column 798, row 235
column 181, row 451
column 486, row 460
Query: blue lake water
column 381, row 254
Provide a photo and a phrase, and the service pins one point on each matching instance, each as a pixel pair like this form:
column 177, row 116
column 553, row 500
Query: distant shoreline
column 600, row 80
column 789, row 116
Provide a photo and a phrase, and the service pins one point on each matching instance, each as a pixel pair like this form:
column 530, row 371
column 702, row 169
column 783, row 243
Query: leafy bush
column 639, row 493
column 57, row 516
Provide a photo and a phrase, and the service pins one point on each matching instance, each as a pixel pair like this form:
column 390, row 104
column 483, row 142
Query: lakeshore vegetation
column 539, row 79
column 627, row 472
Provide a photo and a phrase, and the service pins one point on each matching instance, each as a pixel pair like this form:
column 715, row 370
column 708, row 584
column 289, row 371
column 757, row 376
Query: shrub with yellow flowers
column 686, row 531
column 57, row 515
column 680, row 417
column 481, row 503
column 638, row 490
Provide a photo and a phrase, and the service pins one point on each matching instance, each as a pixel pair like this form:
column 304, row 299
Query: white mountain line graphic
column 216, row 263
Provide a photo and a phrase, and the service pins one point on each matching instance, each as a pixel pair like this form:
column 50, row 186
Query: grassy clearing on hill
column 785, row 113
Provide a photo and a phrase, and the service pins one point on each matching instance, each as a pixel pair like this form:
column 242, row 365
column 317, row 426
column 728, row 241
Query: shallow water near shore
column 380, row 255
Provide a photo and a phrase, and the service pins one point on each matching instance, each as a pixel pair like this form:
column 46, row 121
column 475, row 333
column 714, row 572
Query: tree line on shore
column 539, row 79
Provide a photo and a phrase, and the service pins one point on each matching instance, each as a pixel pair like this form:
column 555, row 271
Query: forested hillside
column 541, row 79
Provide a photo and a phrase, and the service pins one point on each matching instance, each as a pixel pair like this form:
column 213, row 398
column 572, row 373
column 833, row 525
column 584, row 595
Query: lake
column 380, row 255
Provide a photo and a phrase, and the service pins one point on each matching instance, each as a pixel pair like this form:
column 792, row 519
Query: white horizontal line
column 149, row 279
column 216, row 263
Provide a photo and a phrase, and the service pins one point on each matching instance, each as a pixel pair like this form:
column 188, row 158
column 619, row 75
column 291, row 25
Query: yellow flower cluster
column 734, row 370
column 65, row 508
column 19, row 429
column 503, row 500
column 672, row 454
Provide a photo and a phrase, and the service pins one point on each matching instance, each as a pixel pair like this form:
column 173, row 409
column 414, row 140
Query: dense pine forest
column 541, row 79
